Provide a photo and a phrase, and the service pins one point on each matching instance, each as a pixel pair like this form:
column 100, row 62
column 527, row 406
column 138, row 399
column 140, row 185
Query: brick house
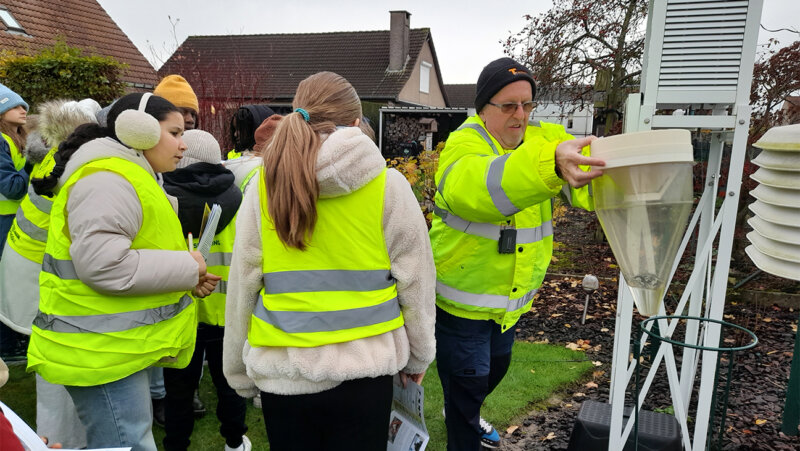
column 26, row 26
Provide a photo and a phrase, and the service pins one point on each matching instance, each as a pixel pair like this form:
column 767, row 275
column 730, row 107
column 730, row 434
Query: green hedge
column 62, row 71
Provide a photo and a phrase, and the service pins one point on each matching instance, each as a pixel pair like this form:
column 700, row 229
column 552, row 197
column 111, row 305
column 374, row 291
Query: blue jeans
column 472, row 356
column 117, row 414
column 157, row 389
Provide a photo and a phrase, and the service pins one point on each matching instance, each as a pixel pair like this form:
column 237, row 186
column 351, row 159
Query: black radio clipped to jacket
column 508, row 241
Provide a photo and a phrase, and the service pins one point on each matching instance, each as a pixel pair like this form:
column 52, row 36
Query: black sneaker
column 490, row 437
column 197, row 405
column 158, row 412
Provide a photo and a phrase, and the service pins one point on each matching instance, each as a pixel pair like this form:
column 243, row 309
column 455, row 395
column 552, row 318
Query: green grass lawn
column 537, row 370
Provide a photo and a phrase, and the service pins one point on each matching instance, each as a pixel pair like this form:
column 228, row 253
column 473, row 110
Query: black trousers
column 472, row 357
column 353, row 416
column 181, row 384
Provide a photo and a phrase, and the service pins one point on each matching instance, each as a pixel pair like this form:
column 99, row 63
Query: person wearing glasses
column 492, row 237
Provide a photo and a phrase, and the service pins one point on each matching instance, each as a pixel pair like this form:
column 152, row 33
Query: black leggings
column 353, row 416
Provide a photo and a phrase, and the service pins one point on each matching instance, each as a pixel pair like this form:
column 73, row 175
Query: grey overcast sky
column 466, row 34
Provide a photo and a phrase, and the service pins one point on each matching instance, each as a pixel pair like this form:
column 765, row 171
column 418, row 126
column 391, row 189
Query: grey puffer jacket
column 104, row 216
column 347, row 161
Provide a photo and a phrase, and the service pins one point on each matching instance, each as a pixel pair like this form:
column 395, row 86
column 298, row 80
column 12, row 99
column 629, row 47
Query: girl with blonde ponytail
column 331, row 291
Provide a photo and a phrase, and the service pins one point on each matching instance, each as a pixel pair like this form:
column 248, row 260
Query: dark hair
column 244, row 123
column 158, row 107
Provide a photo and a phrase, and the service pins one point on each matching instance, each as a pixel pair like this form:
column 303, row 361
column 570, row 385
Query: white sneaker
column 257, row 402
column 245, row 446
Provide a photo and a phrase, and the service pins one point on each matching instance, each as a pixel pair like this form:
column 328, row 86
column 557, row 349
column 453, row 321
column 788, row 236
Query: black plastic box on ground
column 657, row 431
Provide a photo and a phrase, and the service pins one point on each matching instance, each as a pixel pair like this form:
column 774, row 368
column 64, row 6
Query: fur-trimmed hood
column 55, row 121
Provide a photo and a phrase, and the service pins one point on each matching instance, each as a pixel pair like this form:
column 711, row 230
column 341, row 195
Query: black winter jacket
column 197, row 185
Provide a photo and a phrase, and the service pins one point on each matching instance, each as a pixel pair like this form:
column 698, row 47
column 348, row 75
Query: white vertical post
column 720, row 280
column 619, row 368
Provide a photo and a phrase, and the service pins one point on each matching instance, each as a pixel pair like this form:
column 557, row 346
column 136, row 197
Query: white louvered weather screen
column 702, row 45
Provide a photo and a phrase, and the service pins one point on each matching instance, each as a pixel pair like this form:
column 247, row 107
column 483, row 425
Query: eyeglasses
column 509, row 108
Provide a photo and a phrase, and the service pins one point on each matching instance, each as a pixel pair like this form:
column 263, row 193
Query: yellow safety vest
column 9, row 206
column 340, row 288
column 82, row 337
column 28, row 233
column 492, row 231
column 233, row 154
column 211, row 309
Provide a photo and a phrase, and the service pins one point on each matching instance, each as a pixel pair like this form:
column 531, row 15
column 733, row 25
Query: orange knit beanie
column 177, row 90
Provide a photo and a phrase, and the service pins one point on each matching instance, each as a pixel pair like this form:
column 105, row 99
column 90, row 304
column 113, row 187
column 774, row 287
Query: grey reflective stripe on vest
column 496, row 301
column 219, row 259
column 307, row 322
column 63, row 269
column 31, row 229
column 494, row 177
column 492, row 231
column 440, row 186
column 222, row 287
column 482, row 131
column 42, row 203
column 110, row 322
column 326, row 280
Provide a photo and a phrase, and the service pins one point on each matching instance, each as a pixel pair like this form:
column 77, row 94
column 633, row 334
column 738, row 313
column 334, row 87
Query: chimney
column 398, row 39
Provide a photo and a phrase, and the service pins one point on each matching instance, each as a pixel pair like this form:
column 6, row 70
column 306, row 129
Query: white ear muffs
column 137, row 129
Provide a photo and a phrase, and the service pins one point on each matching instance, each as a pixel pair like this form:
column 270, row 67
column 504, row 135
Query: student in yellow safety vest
column 492, row 238
column 13, row 173
column 56, row 417
column 117, row 272
column 331, row 286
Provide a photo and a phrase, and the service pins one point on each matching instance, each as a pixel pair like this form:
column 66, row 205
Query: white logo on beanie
column 5, row 99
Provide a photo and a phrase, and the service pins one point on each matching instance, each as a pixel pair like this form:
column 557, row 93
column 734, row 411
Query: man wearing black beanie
column 492, row 237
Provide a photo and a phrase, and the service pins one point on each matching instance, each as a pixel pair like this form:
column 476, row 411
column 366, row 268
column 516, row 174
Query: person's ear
column 356, row 122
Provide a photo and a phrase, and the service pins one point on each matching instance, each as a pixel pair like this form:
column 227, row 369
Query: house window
column 9, row 20
column 425, row 77
column 570, row 121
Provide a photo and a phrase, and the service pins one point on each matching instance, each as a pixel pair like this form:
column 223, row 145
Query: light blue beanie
column 10, row 99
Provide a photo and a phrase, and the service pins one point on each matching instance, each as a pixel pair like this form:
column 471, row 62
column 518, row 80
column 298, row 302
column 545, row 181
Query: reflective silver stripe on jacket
column 326, row 280
column 110, row 322
column 63, row 269
column 483, row 300
column 492, row 231
column 222, row 287
column 42, row 203
column 482, row 131
column 31, row 229
column 494, row 177
column 306, row 322
column 219, row 259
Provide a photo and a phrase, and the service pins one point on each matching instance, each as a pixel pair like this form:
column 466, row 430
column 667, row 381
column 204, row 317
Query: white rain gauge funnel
column 643, row 201
column 775, row 237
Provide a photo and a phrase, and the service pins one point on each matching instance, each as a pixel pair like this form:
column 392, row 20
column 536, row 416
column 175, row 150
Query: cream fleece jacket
column 347, row 161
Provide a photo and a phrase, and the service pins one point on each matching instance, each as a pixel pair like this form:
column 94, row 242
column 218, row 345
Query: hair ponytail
column 290, row 160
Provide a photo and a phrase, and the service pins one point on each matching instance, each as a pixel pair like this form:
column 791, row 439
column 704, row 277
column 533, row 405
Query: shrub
column 62, row 71
column 420, row 172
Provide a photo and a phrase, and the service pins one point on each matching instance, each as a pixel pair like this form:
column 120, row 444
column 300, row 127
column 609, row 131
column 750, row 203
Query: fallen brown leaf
column 511, row 429
column 549, row 436
column 591, row 384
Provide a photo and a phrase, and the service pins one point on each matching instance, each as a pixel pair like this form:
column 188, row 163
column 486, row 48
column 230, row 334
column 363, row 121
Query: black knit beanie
column 497, row 75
